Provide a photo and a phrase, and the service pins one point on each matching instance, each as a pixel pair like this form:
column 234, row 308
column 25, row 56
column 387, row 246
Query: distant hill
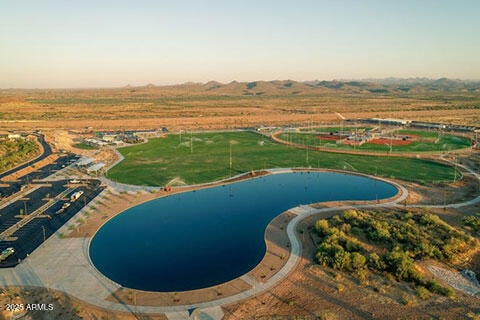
column 385, row 86
column 425, row 84
column 291, row 87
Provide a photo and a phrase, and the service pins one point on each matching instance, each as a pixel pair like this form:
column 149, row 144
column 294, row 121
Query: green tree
column 341, row 260
column 321, row 226
column 401, row 265
column 376, row 262
column 358, row 261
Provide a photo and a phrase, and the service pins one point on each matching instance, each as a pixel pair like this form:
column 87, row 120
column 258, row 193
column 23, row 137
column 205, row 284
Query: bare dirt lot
column 315, row 292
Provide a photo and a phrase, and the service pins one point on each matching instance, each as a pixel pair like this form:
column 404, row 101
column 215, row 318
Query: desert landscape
column 238, row 104
column 223, row 160
column 190, row 151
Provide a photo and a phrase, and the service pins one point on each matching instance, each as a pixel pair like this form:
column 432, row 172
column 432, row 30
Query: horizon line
column 150, row 84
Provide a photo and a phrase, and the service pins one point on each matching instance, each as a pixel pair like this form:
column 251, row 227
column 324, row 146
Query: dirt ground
column 226, row 122
column 444, row 193
column 197, row 106
column 314, row 292
column 63, row 307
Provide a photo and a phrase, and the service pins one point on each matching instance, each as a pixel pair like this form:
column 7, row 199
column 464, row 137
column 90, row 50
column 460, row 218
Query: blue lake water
column 201, row 238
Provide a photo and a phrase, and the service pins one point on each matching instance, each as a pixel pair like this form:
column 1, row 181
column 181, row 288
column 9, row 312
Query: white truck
column 74, row 197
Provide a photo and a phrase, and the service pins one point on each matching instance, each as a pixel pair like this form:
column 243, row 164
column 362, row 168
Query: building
column 94, row 142
column 82, row 162
column 110, row 138
column 428, row 125
column 14, row 136
column 95, row 168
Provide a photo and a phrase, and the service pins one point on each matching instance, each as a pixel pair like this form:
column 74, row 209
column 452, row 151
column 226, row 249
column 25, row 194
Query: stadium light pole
column 47, row 284
column 230, row 160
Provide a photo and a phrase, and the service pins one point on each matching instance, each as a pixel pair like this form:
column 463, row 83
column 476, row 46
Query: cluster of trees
column 473, row 223
column 13, row 152
column 395, row 241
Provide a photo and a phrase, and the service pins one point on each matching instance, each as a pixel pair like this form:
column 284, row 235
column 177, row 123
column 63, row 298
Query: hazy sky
column 87, row 43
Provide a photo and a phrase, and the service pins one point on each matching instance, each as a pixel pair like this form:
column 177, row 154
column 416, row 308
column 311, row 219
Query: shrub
column 358, row 261
column 423, row 292
column 341, row 260
column 401, row 265
column 473, row 222
column 352, row 245
column 376, row 262
column 321, row 226
column 436, row 287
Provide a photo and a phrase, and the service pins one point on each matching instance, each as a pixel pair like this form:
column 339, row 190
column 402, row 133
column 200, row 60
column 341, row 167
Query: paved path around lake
column 64, row 264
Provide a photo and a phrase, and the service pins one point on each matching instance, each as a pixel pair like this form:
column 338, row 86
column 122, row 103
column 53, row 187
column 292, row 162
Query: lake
column 206, row 237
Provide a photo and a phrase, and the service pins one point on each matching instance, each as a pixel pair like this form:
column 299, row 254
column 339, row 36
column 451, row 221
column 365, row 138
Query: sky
column 90, row 43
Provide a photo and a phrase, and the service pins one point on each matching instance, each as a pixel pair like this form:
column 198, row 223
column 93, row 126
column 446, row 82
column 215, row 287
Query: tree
column 321, row 226
column 358, row 261
column 379, row 231
column 353, row 245
column 376, row 262
column 341, row 261
column 401, row 265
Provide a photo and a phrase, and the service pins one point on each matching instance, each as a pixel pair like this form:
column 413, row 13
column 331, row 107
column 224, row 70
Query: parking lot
column 33, row 207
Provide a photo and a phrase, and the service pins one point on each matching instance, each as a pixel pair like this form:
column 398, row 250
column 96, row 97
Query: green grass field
column 431, row 141
column 208, row 159
column 84, row 146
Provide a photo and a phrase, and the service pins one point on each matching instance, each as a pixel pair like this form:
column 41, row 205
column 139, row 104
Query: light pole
column 230, row 159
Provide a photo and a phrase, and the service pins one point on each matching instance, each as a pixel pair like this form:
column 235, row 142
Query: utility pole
column 454, row 171
column 354, row 138
column 307, row 154
column 191, row 143
column 135, row 302
column 44, row 238
column 230, row 159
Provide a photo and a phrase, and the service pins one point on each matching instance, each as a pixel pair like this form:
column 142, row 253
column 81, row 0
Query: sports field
column 427, row 141
column 205, row 157
column 335, row 129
